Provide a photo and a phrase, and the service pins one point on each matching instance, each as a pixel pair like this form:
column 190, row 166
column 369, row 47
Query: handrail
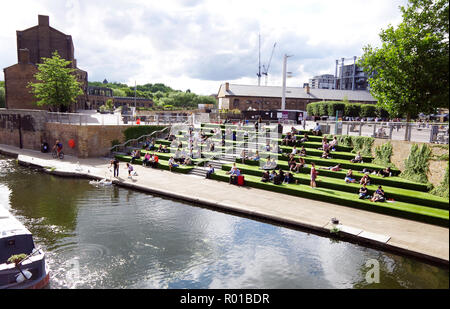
column 143, row 136
column 137, row 139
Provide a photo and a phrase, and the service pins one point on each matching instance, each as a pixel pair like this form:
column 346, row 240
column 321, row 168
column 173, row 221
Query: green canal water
column 113, row 237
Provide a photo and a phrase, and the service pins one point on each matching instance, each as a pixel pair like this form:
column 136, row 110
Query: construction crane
column 266, row 70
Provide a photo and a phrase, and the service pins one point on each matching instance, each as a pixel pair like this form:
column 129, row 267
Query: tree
column 57, row 86
column 409, row 73
column 2, row 97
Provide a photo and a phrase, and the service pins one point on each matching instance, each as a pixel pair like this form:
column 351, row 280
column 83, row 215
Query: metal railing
column 416, row 132
column 137, row 142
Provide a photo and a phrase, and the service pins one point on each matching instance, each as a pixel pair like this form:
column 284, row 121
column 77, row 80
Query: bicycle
column 55, row 154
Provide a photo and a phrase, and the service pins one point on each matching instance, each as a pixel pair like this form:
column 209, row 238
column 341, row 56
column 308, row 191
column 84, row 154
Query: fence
column 416, row 132
column 115, row 119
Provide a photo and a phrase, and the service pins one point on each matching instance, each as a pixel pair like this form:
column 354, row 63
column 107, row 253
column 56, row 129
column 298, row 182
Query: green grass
column 399, row 209
column 162, row 164
column 396, row 193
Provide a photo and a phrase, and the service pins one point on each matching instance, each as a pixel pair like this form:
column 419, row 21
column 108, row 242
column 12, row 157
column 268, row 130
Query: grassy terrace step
column 393, row 181
column 399, row 209
column 312, row 144
column 286, row 149
column 396, row 193
column 345, row 164
column 333, row 154
column 162, row 164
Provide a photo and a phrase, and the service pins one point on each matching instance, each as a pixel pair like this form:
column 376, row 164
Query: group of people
column 278, row 178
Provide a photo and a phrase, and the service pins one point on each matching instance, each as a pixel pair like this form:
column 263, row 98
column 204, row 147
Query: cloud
column 198, row 44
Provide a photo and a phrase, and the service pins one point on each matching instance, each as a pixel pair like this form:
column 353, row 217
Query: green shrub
column 383, row 155
column 333, row 107
column 417, row 164
column 352, row 110
column 442, row 189
column 138, row 131
column 362, row 144
column 368, row 110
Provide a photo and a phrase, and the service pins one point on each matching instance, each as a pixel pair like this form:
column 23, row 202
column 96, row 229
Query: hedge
column 135, row 132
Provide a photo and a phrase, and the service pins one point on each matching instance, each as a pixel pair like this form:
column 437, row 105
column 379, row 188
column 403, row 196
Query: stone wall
column 401, row 150
column 29, row 129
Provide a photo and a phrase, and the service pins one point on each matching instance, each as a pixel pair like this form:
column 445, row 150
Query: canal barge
column 22, row 265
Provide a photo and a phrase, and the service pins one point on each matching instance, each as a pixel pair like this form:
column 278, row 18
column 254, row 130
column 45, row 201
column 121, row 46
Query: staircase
column 217, row 164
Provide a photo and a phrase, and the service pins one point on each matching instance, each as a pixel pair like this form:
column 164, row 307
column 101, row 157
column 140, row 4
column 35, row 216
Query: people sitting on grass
column 302, row 152
column 188, row 161
column 326, row 154
column 365, row 179
column 265, row 176
column 305, row 138
column 293, row 140
column 270, row 164
column 333, row 144
column 349, row 178
column 160, row 148
column 209, row 172
column 135, row 154
column 165, row 149
column 317, row 130
column 364, row 192
column 172, row 163
column 147, row 158
column 278, row 178
column 288, row 178
column 234, row 173
column 268, row 147
column 379, row 195
column 256, row 157
column 286, row 139
column 357, row 159
column 385, row 172
column 294, row 150
column 335, row 168
column 297, row 166
column 294, row 131
column 154, row 161
column 313, row 175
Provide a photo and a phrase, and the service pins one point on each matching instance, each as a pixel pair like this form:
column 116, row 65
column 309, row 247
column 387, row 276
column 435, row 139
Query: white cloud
column 198, row 44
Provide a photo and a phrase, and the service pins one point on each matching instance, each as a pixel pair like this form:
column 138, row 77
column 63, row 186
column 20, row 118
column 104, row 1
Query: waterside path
column 398, row 235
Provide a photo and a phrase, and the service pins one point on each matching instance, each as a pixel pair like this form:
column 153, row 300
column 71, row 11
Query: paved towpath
column 401, row 235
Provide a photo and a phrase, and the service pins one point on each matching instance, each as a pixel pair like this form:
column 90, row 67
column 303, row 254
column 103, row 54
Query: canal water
column 113, row 237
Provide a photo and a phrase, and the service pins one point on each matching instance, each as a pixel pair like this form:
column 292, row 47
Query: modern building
column 247, row 97
column 33, row 44
column 325, row 81
column 351, row 76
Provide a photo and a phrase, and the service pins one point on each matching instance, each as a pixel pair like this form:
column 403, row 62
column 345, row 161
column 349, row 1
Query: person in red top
column 155, row 161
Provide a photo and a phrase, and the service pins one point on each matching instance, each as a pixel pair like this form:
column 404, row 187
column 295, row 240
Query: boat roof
column 10, row 226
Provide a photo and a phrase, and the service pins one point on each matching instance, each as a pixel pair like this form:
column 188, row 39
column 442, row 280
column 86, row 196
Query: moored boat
column 22, row 265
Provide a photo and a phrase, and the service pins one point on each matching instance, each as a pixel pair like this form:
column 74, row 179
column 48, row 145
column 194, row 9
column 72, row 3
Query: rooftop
column 296, row 92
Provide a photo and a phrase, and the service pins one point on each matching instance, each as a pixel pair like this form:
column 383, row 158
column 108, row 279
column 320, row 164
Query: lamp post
column 283, row 95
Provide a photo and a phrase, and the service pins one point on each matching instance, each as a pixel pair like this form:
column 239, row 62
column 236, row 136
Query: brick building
column 246, row 97
column 32, row 45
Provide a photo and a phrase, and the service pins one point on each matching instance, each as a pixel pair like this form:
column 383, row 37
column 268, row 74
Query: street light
column 283, row 95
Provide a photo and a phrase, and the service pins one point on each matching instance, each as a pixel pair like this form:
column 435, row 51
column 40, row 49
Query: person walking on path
column 115, row 165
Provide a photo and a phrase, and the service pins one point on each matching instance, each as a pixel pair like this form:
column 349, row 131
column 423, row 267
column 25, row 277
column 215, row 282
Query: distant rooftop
column 297, row 93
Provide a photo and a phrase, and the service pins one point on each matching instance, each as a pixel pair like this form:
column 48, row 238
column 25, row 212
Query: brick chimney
column 43, row 20
column 227, row 86
column 24, row 55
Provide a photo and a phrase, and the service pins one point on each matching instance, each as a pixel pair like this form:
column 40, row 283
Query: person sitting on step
column 357, row 159
column 349, row 177
column 379, row 195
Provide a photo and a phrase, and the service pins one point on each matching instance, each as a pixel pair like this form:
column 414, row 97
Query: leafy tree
column 2, row 97
column 57, row 86
column 410, row 71
column 118, row 92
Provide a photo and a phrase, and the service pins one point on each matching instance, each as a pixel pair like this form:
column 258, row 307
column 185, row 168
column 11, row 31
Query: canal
column 112, row 237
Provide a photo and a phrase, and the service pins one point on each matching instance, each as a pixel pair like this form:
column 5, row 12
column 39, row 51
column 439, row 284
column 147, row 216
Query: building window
column 236, row 102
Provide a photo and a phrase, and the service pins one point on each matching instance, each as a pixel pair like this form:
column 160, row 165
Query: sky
column 200, row 44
